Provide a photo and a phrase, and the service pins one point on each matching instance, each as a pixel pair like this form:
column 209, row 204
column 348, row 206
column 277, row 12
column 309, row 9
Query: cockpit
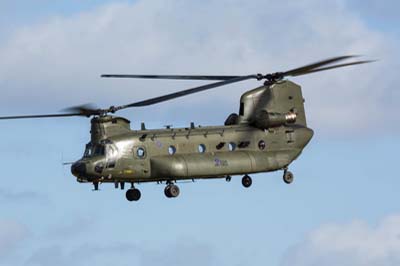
column 97, row 158
column 104, row 148
column 93, row 150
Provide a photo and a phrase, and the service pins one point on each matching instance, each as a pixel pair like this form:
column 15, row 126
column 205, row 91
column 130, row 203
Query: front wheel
column 247, row 181
column 133, row 194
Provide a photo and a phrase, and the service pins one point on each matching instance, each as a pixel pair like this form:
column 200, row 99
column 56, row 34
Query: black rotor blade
column 39, row 116
column 335, row 66
column 185, row 77
column 307, row 68
column 185, row 92
column 85, row 109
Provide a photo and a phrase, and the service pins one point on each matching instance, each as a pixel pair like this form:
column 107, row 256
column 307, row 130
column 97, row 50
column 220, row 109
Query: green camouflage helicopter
column 268, row 133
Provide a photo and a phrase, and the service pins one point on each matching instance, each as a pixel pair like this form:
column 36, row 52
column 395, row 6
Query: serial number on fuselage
column 220, row 163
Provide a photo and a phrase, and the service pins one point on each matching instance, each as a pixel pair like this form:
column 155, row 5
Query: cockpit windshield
column 104, row 148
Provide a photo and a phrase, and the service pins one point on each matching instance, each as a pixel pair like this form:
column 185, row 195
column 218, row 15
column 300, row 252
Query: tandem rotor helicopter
column 268, row 133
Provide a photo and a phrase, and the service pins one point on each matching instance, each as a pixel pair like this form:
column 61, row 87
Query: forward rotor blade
column 185, row 77
column 307, row 68
column 186, row 92
column 84, row 110
column 335, row 66
column 39, row 116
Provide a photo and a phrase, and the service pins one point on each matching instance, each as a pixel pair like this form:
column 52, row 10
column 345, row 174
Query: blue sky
column 343, row 206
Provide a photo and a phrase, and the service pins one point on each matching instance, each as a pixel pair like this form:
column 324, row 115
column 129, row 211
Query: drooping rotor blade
column 185, row 77
column 39, row 116
column 185, row 92
column 335, row 66
column 304, row 69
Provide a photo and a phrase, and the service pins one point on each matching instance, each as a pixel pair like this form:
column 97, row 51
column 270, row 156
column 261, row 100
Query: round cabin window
column 232, row 146
column 141, row 152
column 202, row 148
column 171, row 150
column 261, row 145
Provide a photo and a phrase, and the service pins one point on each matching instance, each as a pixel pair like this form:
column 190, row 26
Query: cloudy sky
column 343, row 207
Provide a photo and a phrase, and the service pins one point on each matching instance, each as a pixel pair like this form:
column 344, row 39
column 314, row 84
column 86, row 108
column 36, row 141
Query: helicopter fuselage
column 192, row 153
column 269, row 132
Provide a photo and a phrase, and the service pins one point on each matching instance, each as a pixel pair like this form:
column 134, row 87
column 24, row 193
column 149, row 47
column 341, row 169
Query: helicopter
column 267, row 134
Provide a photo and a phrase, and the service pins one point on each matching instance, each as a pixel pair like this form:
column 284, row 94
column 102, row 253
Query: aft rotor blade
column 39, row 116
column 184, row 77
column 308, row 68
column 335, row 66
column 186, row 92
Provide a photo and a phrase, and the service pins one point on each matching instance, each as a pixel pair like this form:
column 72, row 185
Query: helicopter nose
column 78, row 169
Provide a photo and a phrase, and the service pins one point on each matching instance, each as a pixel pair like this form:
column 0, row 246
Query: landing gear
column 133, row 194
column 171, row 191
column 96, row 186
column 228, row 178
column 287, row 177
column 247, row 181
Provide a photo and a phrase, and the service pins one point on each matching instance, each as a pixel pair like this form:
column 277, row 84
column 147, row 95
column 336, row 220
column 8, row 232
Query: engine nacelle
column 266, row 120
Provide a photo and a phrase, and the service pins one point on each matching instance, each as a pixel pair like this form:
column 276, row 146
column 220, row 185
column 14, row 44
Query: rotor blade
column 186, row 77
column 39, row 116
column 335, row 66
column 85, row 109
column 185, row 92
column 310, row 67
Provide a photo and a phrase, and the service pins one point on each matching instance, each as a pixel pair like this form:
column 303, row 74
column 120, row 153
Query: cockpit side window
column 111, row 154
column 88, row 151
column 99, row 150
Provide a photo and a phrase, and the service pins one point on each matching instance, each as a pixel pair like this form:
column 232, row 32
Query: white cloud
column 11, row 234
column 48, row 66
column 353, row 244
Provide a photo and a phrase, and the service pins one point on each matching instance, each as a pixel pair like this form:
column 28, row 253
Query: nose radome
column 78, row 169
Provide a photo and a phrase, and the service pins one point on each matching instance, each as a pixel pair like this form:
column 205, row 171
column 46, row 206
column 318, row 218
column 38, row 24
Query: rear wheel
column 288, row 177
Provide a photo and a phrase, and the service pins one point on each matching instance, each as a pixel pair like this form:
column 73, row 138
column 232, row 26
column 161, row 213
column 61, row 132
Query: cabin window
column 244, row 144
column 202, row 148
column 232, row 146
column 220, row 145
column 171, row 150
column 141, row 152
column 261, row 145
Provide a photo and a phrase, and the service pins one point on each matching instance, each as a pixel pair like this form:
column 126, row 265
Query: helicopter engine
column 273, row 106
column 265, row 120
